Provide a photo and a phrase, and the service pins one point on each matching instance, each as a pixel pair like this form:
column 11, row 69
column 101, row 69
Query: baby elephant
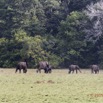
column 48, row 69
column 74, row 67
column 94, row 69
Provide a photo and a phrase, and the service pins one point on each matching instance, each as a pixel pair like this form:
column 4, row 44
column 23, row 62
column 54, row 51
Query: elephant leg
column 37, row 70
column 72, row 71
column 69, row 71
column 79, row 70
column 40, row 71
column 24, row 70
column 16, row 70
column 45, row 70
column 49, row 71
column 96, row 72
column 76, row 71
column 19, row 70
column 92, row 71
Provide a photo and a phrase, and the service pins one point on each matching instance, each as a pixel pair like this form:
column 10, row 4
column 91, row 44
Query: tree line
column 62, row 32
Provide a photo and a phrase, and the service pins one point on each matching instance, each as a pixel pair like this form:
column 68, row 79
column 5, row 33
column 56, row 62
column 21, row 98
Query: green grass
column 58, row 87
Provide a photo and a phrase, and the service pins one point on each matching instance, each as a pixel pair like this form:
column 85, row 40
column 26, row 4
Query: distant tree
column 95, row 15
column 72, row 37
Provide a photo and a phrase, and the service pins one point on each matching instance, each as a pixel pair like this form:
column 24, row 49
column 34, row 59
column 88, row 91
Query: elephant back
column 72, row 66
column 22, row 64
column 43, row 64
column 94, row 67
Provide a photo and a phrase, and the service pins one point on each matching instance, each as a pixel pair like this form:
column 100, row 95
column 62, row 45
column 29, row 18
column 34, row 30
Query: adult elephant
column 94, row 69
column 43, row 65
column 74, row 68
column 21, row 66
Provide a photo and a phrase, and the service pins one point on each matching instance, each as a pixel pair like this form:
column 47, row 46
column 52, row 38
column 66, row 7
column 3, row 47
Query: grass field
column 58, row 87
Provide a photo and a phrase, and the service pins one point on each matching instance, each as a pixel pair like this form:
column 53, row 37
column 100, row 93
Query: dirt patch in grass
column 42, row 82
column 39, row 82
column 50, row 81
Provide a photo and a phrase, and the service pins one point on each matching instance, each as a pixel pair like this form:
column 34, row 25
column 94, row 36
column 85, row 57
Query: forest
column 62, row 32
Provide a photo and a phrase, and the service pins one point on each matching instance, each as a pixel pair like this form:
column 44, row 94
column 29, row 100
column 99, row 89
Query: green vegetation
column 59, row 31
column 50, row 88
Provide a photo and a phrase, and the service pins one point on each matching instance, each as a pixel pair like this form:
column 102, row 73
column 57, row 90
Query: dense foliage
column 59, row 31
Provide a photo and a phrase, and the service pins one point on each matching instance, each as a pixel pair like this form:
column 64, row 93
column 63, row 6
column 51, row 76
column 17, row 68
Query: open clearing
column 58, row 87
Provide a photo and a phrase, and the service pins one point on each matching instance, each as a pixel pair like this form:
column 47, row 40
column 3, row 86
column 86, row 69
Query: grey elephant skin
column 94, row 69
column 73, row 68
column 21, row 66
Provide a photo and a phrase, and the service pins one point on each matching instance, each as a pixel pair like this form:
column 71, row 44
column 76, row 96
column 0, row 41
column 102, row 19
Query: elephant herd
column 48, row 68
column 41, row 65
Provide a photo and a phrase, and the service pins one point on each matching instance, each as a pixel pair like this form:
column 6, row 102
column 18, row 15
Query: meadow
column 57, row 87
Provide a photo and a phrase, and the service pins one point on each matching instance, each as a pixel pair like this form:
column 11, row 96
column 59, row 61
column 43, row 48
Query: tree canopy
column 62, row 32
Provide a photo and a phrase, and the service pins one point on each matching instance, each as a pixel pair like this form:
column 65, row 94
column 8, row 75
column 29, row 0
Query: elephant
column 43, row 65
column 20, row 66
column 94, row 68
column 74, row 67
